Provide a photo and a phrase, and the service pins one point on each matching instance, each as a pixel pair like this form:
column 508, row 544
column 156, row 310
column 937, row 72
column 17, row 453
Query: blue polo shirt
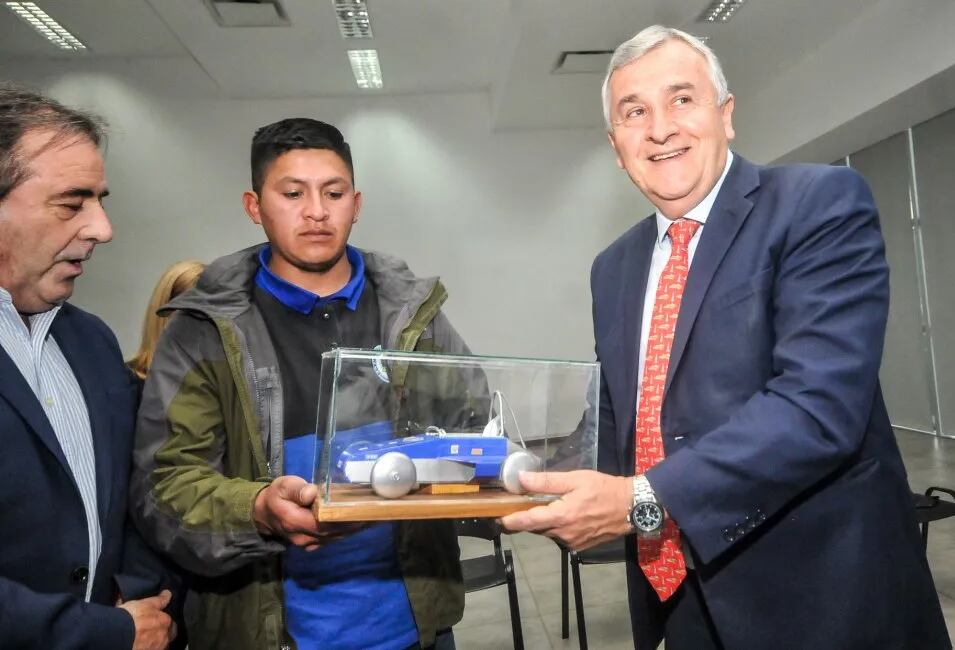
column 304, row 301
column 349, row 594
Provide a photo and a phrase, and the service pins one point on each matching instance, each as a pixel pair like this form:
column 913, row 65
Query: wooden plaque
column 359, row 503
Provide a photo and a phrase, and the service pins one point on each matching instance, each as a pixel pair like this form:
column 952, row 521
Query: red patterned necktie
column 662, row 558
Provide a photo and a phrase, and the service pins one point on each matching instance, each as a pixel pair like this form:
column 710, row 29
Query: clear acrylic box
column 424, row 436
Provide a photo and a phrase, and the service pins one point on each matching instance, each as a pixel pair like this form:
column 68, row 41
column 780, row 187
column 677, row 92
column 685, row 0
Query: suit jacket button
column 80, row 575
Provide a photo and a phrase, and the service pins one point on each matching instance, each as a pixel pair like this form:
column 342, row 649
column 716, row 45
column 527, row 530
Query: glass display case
column 419, row 436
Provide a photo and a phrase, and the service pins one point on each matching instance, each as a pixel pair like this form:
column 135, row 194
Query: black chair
column 493, row 570
column 607, row 553
column 930, row 507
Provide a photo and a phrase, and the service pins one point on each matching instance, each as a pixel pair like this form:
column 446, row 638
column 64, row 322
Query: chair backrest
column 487, row 529
column 931, row 507
column 606, row 553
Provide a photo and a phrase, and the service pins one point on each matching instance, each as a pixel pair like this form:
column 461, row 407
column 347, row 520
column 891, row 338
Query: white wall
column 884, row 52
column 510, row 221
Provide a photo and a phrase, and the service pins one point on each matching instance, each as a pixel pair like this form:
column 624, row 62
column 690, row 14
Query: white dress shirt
column 46, row 370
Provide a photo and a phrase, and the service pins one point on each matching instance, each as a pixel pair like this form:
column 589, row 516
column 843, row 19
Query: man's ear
column 250, row 201
column 726, row 112
column 614, row 145
column 354, row 218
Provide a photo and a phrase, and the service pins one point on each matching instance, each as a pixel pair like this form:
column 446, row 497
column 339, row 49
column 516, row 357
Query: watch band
column 642, row 490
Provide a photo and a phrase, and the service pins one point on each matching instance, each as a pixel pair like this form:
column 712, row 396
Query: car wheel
column 513, row 465
column 393, row 475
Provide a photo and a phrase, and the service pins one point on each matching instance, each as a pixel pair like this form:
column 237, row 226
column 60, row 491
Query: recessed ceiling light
column 353, row 18
column 46, row 26
column 720, row 11
column 364, row 65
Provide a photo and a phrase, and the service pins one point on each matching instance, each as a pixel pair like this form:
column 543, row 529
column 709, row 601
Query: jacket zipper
column 257, row 394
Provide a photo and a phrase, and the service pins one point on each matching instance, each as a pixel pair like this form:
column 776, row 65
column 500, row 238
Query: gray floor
column 486, row 621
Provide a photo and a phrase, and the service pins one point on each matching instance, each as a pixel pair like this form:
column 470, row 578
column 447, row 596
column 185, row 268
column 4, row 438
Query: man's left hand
column 592, row 508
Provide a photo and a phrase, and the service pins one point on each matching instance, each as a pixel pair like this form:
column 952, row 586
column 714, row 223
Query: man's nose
column 98, row 229
column 315, row 209
column 662, row 127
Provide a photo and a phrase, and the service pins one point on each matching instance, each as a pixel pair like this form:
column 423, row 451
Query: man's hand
column 154, row 628
column 592, row 508
column 284, row 509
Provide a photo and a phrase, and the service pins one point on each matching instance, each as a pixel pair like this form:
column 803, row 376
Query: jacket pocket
column 759, row 283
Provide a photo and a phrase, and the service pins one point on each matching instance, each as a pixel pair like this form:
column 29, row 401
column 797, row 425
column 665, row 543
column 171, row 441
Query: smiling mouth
column 669, row 155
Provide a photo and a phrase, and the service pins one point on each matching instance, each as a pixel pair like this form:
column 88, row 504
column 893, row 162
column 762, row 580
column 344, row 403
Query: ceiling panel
column 127, row 28
column 424, row 46
column 506, row 47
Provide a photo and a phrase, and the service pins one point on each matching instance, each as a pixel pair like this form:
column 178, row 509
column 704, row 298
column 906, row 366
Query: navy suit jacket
column 44, row 547
column 781, row 467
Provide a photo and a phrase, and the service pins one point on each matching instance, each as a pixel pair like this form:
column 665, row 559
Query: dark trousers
column 683, row 620
column 686, row 622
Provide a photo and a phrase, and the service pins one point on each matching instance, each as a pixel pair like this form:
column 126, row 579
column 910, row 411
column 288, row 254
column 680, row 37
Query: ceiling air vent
column 248, row 13
column 583, row 61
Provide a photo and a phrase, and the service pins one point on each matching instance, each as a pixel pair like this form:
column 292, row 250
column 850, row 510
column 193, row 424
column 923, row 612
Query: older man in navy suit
column 72, row 575
column 745, row 447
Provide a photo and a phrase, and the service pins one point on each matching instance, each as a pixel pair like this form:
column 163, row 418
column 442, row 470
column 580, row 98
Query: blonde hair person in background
column 178, row 278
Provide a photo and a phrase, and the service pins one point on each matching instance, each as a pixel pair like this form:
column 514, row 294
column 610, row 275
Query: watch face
column 647, row 517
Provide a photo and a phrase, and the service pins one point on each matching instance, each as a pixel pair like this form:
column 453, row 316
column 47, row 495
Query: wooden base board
column 359, row 503
column 449, row 488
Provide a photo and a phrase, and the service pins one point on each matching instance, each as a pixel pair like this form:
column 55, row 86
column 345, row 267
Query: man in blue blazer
column 744, row 445
column 72, row 574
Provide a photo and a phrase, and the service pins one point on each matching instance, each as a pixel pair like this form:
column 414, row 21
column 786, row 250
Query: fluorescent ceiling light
column 364, row 65
column 353, row 18
column 46, row 26
column 720, row 11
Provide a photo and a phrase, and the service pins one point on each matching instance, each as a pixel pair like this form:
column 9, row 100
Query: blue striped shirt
column 46, row 370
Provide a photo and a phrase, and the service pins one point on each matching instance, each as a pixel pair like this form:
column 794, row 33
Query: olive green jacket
column 212, row 407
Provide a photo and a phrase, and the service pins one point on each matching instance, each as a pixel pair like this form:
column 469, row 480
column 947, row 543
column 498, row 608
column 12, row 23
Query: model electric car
column 395, row 467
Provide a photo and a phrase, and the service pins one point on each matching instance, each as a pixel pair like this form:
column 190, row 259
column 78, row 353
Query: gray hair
column 22, row 111
column 651, row 38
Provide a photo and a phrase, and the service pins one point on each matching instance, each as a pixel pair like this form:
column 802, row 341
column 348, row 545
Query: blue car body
column 484, row 453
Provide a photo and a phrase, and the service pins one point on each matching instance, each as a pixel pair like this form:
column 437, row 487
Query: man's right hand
column 154, row 628
column 284, row 509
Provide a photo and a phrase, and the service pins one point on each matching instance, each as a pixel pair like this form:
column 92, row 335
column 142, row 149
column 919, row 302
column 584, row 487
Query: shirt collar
column 702, row 209
column 39, row 323
column 302, row 300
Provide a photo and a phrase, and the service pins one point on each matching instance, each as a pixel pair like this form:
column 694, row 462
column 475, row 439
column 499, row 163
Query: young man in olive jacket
column 225, row 433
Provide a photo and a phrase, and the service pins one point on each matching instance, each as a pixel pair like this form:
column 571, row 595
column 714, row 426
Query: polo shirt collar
column 302, row 300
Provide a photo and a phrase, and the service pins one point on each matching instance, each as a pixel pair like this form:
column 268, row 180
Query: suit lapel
column 83, row 362
column 15, row 389
column 725, row 219
column 633, row 288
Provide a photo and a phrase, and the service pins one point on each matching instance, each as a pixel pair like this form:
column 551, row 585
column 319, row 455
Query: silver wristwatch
column 646, row 514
